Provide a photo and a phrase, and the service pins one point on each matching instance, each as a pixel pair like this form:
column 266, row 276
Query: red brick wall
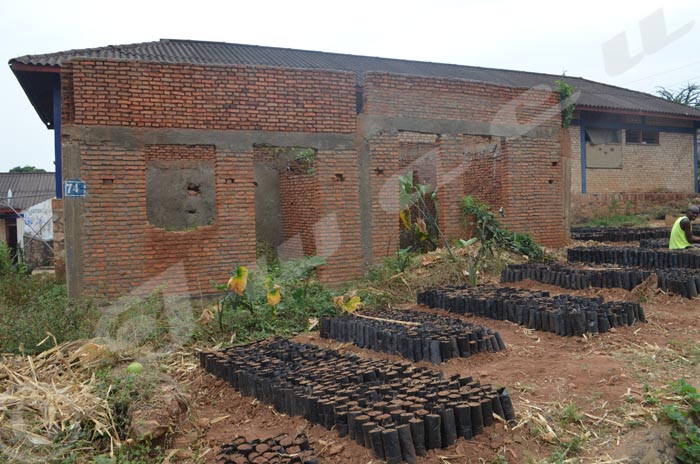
column 338, row 230
column 123, row 252
column 533, row 189
column 436, row 98
column 299, row 198
column 485, row 169
column 384, row 184
column 450, row 179
column 417, row 154
column 121, row 93
column 524, row 165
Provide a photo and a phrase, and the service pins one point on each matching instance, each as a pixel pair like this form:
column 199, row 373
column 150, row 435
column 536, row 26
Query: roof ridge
column 226, row 53
column 73, row 51
column 636, row 91
column 319, row 52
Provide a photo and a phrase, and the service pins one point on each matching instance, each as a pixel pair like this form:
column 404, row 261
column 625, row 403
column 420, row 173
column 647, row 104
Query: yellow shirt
column 678, row 239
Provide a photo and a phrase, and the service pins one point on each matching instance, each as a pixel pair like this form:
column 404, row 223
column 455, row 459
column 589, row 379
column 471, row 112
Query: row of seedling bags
column 412, row 334
column 654, row 243
column 623, row 234
column 281, row 449
column 636, row 257
column 684, row 282
column 397, row 409
column 565, row 315
column 574, row 278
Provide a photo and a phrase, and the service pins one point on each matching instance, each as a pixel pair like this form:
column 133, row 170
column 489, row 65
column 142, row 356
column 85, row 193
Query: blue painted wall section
column 57, row 135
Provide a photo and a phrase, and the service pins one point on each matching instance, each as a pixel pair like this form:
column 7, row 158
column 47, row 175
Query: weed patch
column 685, row 420
column 33, row 305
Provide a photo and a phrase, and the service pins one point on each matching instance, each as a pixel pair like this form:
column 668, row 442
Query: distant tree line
column 27, row 169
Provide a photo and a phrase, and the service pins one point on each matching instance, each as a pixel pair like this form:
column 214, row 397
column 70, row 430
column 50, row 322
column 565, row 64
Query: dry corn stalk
column 54, row 393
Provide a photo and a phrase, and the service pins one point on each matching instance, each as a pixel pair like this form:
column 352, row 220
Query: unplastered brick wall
column 120, row 93
column 123, row 253
column 456, row 99
column 533, row 188
column 299, row 197
column 526, row 158
column 485, row 169
column 417, row 154
column 136, row 256
column 384, row 184
column 337, row 232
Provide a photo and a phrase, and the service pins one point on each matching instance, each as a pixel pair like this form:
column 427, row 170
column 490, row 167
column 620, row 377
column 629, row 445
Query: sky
column 641, row 44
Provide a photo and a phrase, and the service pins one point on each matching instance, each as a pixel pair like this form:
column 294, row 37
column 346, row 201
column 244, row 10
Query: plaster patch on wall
column 180, row 194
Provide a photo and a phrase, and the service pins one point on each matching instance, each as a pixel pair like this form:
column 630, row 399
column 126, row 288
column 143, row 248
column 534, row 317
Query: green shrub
column 249, row 315
column 491, row 233
column 32, row 305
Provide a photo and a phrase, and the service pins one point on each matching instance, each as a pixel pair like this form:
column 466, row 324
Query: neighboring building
column 193, row 151
column 26, row 219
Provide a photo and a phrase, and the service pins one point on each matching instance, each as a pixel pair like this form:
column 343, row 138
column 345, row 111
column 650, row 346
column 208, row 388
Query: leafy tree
column 688, row 95
column 27, row 169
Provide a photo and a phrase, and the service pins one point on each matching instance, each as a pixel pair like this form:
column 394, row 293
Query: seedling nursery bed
column 623, row 234
column 575, row 277
column 396, row 409
column 636, row 257
column 414, row 335
column 683, row 282
column 565, row 315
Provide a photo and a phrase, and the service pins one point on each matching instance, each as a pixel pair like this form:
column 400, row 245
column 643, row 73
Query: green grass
column 618, row 220
column 571, row 414
column 685, row 420
column 33, row 306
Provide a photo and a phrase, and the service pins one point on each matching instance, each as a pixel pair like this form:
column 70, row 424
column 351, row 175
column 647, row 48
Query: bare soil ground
column 577, row 399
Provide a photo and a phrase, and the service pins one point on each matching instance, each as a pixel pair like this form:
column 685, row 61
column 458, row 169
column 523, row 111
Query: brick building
column 26, row 225
column 191, row 152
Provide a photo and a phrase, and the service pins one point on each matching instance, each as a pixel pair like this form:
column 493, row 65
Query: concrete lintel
column 375, row 124
column 137, row 137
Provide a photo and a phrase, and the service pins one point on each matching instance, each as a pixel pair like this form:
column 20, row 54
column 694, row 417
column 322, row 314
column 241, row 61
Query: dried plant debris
column 50, row 398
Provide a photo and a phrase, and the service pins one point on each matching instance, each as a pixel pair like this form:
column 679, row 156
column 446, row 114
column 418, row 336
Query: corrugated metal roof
column 593, row 94
column 28, row 188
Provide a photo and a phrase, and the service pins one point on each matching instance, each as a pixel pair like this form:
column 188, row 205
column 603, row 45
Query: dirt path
column 573, row 396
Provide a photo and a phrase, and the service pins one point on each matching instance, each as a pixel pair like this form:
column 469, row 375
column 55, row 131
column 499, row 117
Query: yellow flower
column 274, row 296
column 238, row 282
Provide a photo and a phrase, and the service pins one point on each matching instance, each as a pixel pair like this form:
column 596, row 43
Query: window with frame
column 645, row 137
